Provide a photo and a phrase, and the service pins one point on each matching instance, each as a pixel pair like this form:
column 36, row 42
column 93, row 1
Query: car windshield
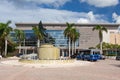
column 96, row 52
column 85, row 52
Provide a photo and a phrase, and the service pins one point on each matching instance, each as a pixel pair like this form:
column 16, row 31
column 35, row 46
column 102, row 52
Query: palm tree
column 74, row 36
column 100, row 29
column 1, row 38
column 77, row 35
column 39, row 34
column 67, row 33
column 5, row 31
column 20, row 36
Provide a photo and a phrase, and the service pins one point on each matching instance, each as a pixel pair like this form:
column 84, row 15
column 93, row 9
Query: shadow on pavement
column 116, row 65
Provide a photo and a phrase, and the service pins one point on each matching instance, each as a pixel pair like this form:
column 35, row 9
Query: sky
column 60, row 11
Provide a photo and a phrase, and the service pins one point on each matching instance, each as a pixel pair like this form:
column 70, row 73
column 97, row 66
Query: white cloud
column 9, row 12
column 92, row 18
column 54, row 3
column 101, row 3
column 83, row 20
column 116, row 17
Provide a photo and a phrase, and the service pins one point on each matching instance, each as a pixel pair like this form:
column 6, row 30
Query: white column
column 63, row 53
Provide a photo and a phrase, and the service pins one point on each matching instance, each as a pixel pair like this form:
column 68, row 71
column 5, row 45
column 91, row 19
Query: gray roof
column 64, row 24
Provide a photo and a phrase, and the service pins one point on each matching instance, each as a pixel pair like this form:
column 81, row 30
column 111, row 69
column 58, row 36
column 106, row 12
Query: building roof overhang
column 64, row 24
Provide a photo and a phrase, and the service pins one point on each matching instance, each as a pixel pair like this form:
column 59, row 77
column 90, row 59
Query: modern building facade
column 88, row 38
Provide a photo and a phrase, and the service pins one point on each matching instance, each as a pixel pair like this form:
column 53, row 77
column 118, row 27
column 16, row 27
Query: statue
column 47, row 38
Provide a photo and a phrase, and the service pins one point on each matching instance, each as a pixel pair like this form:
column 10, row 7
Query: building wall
column 114, row 37
column 88, row 38
column 106, row 37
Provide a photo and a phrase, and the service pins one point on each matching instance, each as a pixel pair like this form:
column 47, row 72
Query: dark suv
column 117, row 57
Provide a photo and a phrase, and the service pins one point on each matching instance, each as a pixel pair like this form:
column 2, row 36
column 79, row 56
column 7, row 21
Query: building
column 115, row 37
column 88, row 38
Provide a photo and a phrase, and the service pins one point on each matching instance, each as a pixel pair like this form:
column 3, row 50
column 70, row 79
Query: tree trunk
column 1, row 52
column 19, row 47
column 24, row 46
column 101, row 51
column 69, row 47
column 38, row 43
column 72, row 47
column 2, row 49
column 5, row 47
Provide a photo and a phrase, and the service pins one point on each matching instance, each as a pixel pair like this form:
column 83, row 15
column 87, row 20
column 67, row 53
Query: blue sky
column 60, row 11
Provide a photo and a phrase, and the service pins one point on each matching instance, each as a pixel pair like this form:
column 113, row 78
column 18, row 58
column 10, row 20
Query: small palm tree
column 100, row 29
column 67, row 33
column 5, row 31
column 20, row 36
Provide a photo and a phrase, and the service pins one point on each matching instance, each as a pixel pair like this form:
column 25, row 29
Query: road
column 100, row 70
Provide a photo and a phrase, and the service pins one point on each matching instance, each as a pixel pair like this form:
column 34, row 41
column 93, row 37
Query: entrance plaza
column 57, row 68
column 108, row 69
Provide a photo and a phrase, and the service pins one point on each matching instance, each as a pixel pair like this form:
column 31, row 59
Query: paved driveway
column 101, row 70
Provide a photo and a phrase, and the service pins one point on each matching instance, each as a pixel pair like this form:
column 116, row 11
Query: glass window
column 58, row 35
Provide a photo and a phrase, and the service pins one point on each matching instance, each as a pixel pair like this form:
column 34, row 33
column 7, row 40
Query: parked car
column 89, row 54
column 117, row 57
column 99, row 56
column 31, row 56
column 89, row 57
column 19, row 54
column 74, row 56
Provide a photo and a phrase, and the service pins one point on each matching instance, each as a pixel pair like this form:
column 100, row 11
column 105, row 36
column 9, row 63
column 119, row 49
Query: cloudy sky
column 60, row 11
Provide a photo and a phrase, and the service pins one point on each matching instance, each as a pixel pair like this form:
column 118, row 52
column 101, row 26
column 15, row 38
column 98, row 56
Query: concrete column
column 63, row 53
column 25, row 50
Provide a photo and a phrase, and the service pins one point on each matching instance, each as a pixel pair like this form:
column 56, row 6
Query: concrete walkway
column 100, row 70
column 53, row 64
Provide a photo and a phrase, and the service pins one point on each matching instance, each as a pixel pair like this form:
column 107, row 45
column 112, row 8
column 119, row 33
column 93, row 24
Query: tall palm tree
column 100, row 29
column 20, row 36
column 74, row 36
column 77, row 35
column 67, row 33
column 5, row 31
column 39, row 34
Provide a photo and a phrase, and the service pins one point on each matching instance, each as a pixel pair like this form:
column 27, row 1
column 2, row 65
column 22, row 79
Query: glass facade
column 30, row 39
column 59, row 39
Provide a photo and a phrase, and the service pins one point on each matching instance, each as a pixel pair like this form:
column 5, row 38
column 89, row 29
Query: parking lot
column 108, row 69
